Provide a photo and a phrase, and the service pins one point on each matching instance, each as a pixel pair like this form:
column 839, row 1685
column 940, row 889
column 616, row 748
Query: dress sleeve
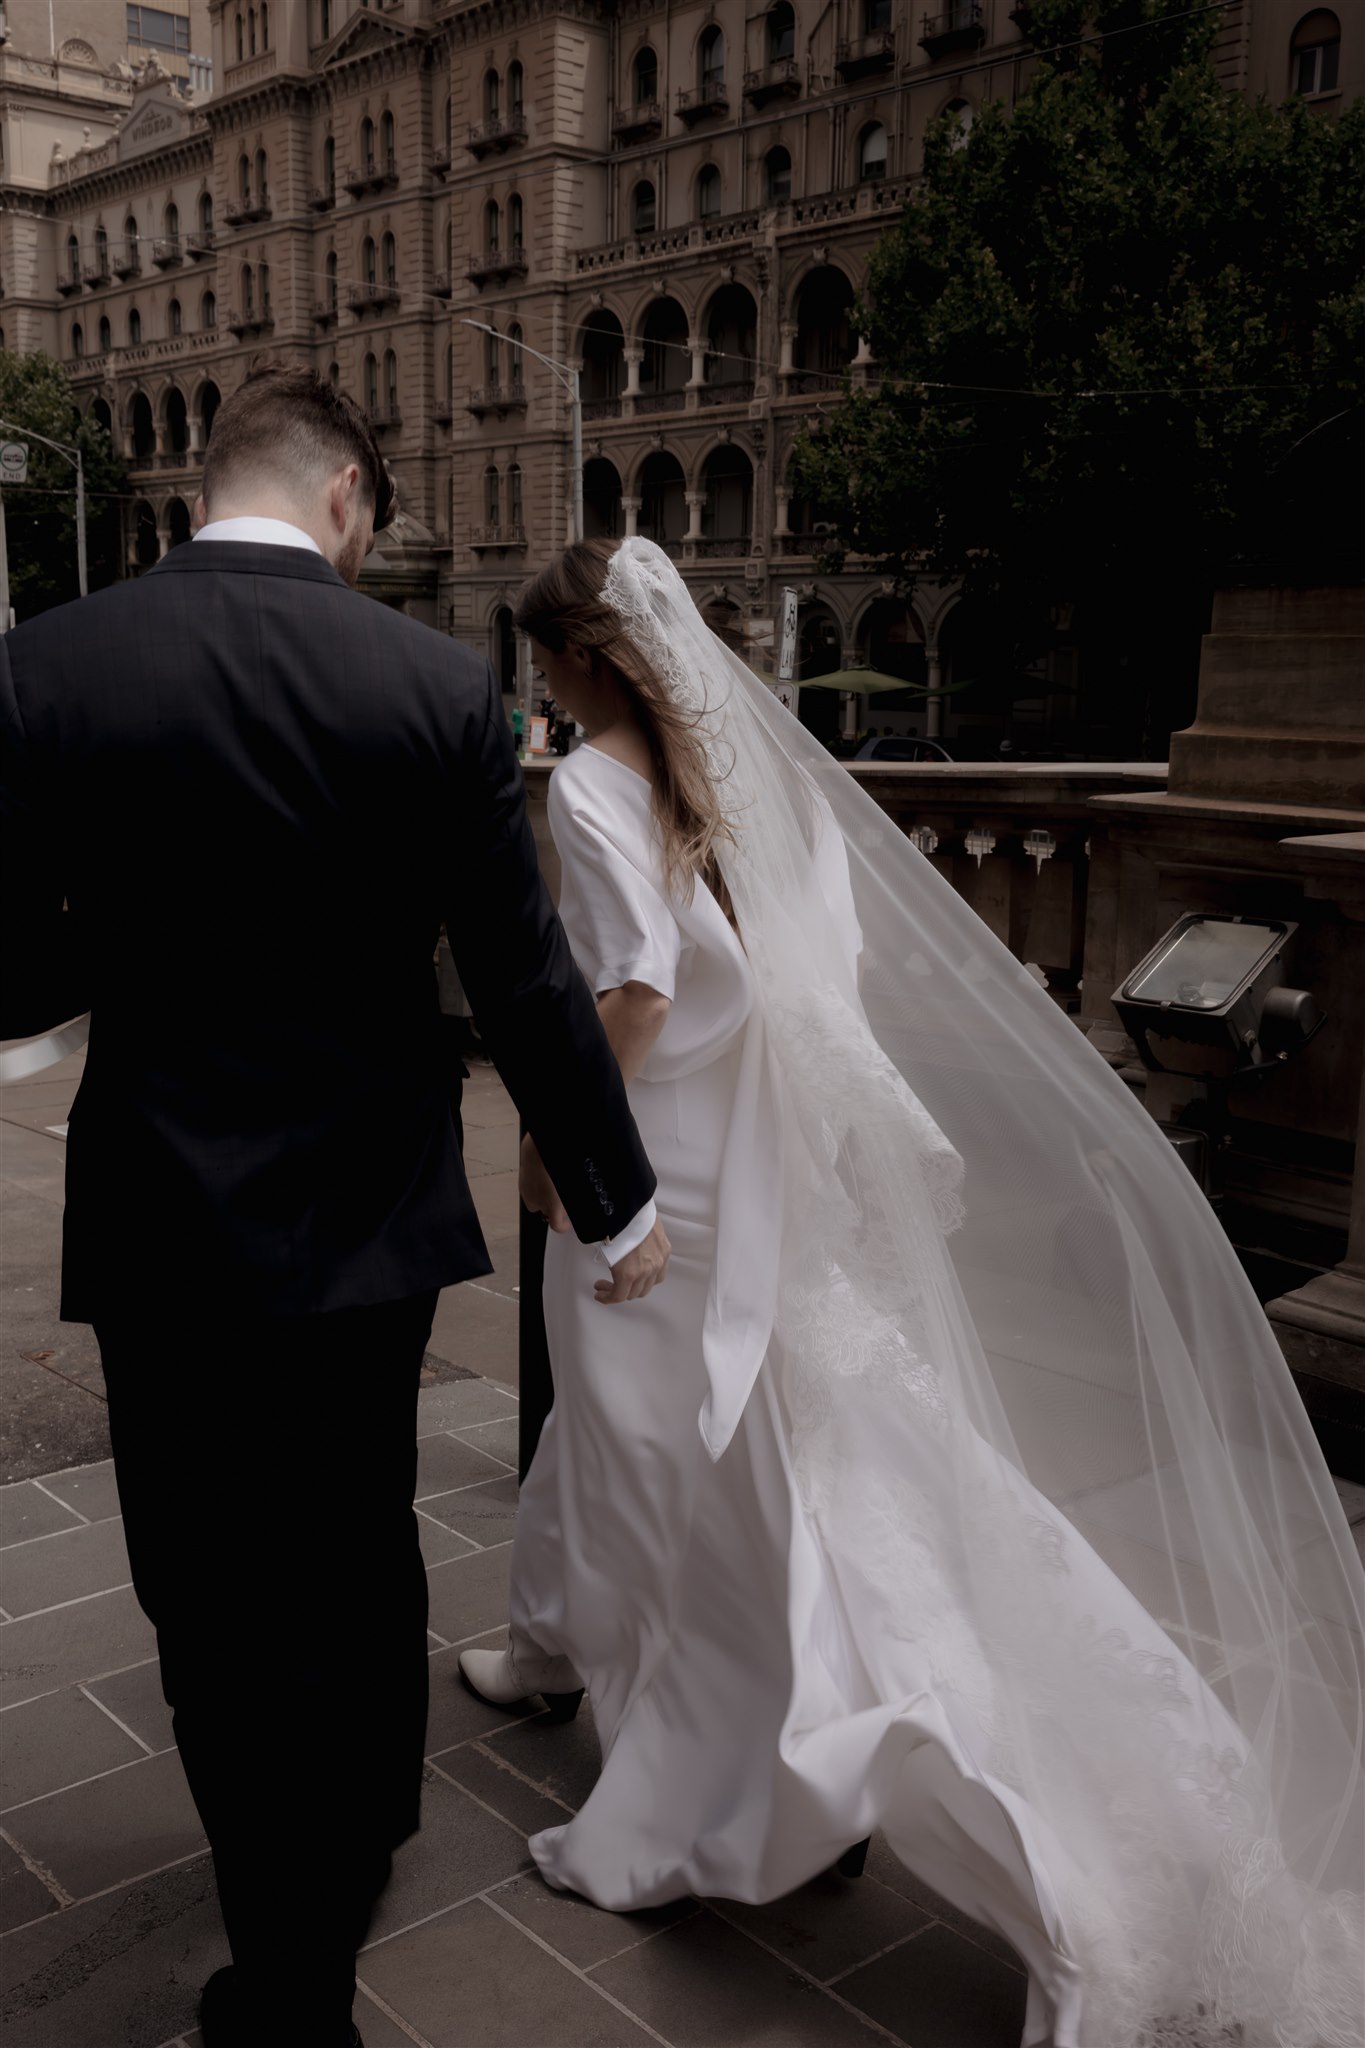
column 619, row 923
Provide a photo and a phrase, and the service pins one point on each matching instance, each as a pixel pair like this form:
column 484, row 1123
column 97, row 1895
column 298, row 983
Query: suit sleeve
column 533, row 1008
column 41, row 981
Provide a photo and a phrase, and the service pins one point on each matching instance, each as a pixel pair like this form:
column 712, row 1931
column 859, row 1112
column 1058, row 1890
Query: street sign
column 785, row 694
column 13, row 462
column 786, row 653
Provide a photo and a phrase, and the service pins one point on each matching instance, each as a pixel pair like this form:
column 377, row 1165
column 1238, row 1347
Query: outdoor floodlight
column 1210, row 999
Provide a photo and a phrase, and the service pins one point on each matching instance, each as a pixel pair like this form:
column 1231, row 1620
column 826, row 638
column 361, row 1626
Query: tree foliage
column 1112, row 326
column 40, row 516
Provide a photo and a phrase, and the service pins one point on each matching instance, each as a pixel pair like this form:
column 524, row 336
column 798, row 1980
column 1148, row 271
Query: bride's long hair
column 563, row 607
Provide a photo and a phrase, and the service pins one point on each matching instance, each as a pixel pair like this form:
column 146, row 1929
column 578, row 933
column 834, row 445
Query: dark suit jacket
column 260, row 794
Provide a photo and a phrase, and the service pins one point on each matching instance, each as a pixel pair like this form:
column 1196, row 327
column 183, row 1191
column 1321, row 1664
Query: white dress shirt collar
column 277, row 533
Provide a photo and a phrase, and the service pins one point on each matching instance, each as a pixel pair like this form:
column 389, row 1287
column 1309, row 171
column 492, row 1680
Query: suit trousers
column 266, row 1471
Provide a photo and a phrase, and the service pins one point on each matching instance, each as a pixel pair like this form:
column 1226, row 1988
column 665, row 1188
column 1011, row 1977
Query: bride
column 952, row 1483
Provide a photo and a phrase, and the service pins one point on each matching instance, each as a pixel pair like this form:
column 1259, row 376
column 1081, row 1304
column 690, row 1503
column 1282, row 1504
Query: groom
column 260, row 795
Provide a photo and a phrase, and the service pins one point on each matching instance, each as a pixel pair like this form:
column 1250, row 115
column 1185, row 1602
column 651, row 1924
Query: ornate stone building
column 676, row 196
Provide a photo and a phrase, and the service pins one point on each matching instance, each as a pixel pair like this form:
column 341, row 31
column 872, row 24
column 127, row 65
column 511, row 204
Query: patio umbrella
column 871, row 681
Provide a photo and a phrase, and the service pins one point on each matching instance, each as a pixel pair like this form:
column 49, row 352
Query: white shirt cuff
column 614, row 1249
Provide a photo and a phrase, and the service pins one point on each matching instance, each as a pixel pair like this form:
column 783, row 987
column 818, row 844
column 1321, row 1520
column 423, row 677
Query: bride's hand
column 538, row 1190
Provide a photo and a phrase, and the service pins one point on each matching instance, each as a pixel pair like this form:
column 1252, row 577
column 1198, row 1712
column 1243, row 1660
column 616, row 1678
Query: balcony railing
column 500, row 536
column 661, row 401
column 128, row 261
column 779, row 80
column 602, row 409
column 701, row 102
column 443, row 412
column 959, row 27
column 325, row 313
column 639, row 123
column 497, row 263
column 173, row 458
column 716, row 548
column 202, row 242
column 98, row 272
column 371, row 177
column 737, row 391
column 865, row 55
column 365, row 298
column 382, row 416
column 240, row 211
column 499, row 398
column 68, row 283
column 440, row 162
column 322, row 198
column 167, row 251
column 441, row 285
column 498, row 132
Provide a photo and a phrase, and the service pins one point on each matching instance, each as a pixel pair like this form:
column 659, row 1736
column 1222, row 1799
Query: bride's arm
column 632, row 1017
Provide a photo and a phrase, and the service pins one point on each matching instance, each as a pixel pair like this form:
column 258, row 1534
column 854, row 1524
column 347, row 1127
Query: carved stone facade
column 674, row 196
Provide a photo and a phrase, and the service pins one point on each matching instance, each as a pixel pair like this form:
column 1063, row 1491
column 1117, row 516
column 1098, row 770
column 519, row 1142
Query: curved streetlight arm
column 73, row 456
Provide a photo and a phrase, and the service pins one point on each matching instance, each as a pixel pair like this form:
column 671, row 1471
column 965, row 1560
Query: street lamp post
column 73, row 456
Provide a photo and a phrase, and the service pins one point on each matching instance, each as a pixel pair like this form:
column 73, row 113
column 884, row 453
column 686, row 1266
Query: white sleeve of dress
column 619, row 925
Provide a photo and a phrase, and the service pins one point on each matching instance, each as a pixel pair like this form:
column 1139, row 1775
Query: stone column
column 631, row 508
column 634, row 357
column 780, row 526
column 163, row 541
column 787, row 336
column 696, row 502
column 933, row 705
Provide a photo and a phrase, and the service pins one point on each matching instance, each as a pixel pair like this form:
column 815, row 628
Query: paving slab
column 137, row 1699
column 885, row 1868
column 446, row 1463
column 23, row 1896
column 112, row 1829
column 27, row 1511
column 91, row 1490
column 92, row 1558
column 940, row 1991
column 453, row 1713
column 702, row 1984
column 831, row 1926
column 579, row 1931
column 496, row 1440
column 48, row 1743
column 440, row 1544
column 43, row 1652
column 485, row 1513
column 558, row 1757
column 122, row 1971
column 467, row 1597
column 491, row 1779
column 473, row 1977
column 459, row 1851
column 476, row 1327
column 460, row 1404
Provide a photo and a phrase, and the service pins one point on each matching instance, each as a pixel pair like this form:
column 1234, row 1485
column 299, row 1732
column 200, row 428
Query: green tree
column 1118, row 329
column 40, row 516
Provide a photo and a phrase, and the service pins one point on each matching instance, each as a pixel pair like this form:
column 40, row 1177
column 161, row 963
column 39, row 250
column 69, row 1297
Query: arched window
column 877, row 17
column 244, row 179
column 1315, row 53
column 777, row 176
column 331, row 280
column 174, row 324
column 329, row 166
column 73, row 259
column 367, row 144
column 450, row 373
column 492, row 359
column 708, row 192
column 241, row 48
column 371, row 384
column 324, row 20
column 391, row 380
column 210, row 398
column 251, row 32
column 872, row 152
column 248, row 292
column 492, row 95
column 711, row 57
column 134, row 327
column 492, row 496
column 515, row 236
column 171, row 222
column 265, row 26
column 781, row 32
column 101, row 252
column 208, row 311
column 514, row 494
column 516, row 89
column 334, row 376
column 963, row 111
column 262, row 177
column 106, row 334
column 77, row 340
column 367, row 269
column 389, row 251
column 130, row 252
column 646, row 78
column 177, row 422
column 263, row 283
column 644, row 211
column 388, row 154
column 206, row 213
column 515, row 373
column 492, row 227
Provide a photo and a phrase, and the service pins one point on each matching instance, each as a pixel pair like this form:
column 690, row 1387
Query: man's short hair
column 288, row 424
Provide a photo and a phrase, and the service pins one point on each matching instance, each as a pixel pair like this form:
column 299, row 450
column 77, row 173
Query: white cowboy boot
column 505, row 1678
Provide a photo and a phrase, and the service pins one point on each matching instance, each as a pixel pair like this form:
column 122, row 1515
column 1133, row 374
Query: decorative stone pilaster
column 696, row 505
column 631, row 508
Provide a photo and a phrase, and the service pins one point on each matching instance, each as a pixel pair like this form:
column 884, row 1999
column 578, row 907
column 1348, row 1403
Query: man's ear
column 201, row 514
column 340, row 494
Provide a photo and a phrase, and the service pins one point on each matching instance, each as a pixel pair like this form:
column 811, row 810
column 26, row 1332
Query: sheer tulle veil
column 981, row 1234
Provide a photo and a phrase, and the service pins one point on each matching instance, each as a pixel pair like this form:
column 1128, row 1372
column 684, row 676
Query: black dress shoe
column 222, row 2020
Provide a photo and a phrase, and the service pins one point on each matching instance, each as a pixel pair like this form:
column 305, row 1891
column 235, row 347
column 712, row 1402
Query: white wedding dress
column 904, row 1574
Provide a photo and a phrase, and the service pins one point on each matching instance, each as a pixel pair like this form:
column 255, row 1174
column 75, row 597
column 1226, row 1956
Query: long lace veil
column 984, row 1236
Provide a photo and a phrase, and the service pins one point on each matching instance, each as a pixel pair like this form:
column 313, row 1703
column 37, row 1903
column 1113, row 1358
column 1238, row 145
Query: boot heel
column 852, row 1862
column 562, row 1706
